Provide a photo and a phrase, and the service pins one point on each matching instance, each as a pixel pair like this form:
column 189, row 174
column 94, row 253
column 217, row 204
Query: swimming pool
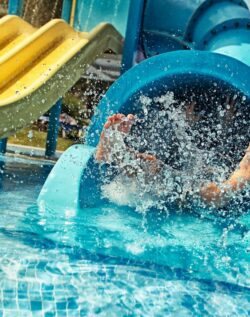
column 113, row 261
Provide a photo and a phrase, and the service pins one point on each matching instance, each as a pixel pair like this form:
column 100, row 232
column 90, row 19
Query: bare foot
column 212, row 194
column 153, row 164
column 118, row 121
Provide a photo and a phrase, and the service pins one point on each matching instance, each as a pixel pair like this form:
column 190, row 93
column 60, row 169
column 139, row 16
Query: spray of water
column 192, row 147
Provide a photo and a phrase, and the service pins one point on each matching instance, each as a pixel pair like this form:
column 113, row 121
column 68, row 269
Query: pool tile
column 35, row 287
column 48, row 296
column 9, row 294
column 47, row 287
column 24, row 304
column 41, row 265
column 37, row 313
column 17, row 313
column 9, row 304
column 21, row 274
column 35, row 296
column 73, row 313
column 22, row 286
column 50, row 314
column 71, row 303
column 60, row 295
column 22, row 295
column 61, row 313
column 83, row 312
column 9, row 285
column 61, row 305
column 36, row 305
column 48, row 305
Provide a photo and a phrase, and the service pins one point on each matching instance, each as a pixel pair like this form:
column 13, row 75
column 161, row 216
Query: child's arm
column 213, row 194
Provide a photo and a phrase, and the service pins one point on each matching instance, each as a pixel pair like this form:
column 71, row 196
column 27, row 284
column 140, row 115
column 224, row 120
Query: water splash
column 193, row 145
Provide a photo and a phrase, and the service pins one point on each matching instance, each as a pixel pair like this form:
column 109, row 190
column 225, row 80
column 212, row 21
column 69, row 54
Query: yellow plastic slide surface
column 38, row 66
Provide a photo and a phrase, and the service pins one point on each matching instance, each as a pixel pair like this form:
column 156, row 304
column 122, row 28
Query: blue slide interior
column 177, row 72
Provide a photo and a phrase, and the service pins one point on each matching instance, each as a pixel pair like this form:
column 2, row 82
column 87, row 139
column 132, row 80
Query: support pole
column 66, row 10
column 15, row 7
column 133, row 33
column 53, row 129
column 55, row 111
column 72, row 14
column 3, row 145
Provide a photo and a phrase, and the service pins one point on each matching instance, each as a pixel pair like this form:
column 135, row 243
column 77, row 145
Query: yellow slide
column 38, row 66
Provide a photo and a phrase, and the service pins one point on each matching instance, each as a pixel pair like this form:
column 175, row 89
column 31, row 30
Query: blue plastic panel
column 169, row 16
column 234, row 43
column 63, row 183
column 89, row 13
column 155, row 43
column 218, row 18
column 173, row 16
column 133, row 34
column 169, row 24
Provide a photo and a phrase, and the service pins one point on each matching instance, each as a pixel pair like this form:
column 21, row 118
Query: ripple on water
column 113, row 261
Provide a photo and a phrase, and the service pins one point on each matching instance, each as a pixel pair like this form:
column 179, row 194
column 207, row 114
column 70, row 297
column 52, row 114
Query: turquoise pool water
column 113, row 261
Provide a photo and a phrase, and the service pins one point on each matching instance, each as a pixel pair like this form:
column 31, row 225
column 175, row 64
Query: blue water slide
column 75, row 181
column 219, row 28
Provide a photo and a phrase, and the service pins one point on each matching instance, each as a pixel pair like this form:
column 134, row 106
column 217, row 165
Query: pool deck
column 31, row 152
